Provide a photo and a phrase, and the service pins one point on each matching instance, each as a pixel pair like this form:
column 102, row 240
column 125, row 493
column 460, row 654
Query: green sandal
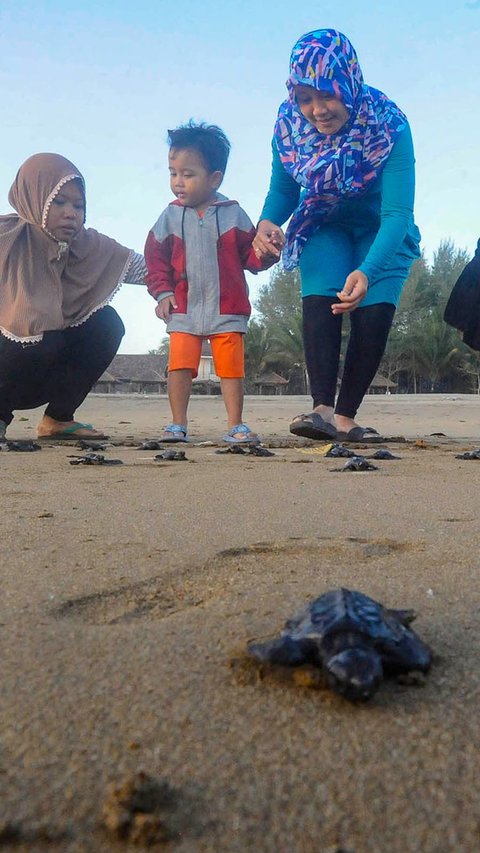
column 71, row 434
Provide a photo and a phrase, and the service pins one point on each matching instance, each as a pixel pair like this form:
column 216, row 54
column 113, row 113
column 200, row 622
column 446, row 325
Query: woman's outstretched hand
column 354, row 289
column 269, row 240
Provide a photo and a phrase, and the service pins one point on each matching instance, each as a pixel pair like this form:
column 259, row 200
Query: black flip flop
column 313, row 426
column 366, row 435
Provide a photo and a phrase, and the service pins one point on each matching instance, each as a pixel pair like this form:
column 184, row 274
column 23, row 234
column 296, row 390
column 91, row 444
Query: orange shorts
column 227, row 352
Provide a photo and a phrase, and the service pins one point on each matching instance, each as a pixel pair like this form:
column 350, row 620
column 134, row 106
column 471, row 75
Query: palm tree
column 162, row 349
column 435, row 348
column 470, row 367
column 280, row 298
column 286, row 347
column 257, row 347
column 448, row 263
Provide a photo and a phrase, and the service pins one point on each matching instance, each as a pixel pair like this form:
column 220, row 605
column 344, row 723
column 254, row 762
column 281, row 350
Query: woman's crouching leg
column 86, row 353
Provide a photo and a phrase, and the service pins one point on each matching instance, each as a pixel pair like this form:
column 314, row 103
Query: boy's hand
column 164, row 308
column 354, row 289
column 268, row 241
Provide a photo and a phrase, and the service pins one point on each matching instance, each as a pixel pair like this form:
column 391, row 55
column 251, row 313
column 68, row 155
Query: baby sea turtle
column 470, row 454
column 85, row 444
column 359, row 463
column 384, row 454
column 151, row 444
column 250, row 449
column 258, row 450
column 353, row 638
column 339, row 451
column 94, row 459
column 25, row 446
column 171, row 455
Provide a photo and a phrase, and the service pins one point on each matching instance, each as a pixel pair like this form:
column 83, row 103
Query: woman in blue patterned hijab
column 343, row 170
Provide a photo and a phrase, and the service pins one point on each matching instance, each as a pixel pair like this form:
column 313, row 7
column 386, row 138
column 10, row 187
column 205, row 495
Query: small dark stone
column 234, row 448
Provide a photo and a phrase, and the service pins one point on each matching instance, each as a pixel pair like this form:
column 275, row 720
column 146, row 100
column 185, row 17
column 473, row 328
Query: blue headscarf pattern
column 339, row 165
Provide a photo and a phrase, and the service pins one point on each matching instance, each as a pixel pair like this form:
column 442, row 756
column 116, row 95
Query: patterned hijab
column 339, row 165
column 46, row 284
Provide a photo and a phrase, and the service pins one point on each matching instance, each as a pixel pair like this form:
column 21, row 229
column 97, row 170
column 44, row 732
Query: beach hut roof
column 380, row 381
column 136, row 368
column 271, row 379
column 107, row 377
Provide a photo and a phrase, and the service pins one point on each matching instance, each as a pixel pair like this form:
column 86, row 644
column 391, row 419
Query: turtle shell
column 344, row 610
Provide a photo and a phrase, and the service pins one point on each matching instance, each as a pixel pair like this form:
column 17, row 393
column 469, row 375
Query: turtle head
column 355, row 673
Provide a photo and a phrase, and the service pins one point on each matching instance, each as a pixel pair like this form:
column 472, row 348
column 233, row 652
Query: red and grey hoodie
column 201, row 260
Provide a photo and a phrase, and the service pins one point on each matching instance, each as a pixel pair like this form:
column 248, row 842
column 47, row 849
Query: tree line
column 423, row 354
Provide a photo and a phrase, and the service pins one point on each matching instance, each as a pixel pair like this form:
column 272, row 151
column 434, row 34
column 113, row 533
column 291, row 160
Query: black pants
column 322, row 338
column 61, row 369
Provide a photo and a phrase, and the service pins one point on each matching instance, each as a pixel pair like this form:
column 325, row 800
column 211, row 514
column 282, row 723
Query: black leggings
column 59, row 370
column 322, row 338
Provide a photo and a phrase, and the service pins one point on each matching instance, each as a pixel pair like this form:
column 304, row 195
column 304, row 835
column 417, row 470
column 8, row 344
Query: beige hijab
column 46, row 284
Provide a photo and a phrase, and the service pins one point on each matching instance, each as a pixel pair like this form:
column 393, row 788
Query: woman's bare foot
column 327, row 413
column 345, row 424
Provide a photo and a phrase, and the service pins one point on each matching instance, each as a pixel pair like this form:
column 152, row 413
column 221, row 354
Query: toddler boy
column 196, row 254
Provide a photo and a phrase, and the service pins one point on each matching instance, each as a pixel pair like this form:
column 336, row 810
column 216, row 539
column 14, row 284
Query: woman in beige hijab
column 57, row 332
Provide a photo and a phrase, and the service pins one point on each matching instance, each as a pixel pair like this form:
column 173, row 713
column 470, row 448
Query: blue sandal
column 246, row 435
column 174, row 433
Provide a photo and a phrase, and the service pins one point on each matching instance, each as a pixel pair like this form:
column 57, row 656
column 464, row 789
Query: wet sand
column 129, row 594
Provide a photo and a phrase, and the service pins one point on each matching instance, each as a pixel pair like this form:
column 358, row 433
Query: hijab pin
column 62, row 249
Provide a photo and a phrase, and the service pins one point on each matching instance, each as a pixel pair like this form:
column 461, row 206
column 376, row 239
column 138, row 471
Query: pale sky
column 101, row 82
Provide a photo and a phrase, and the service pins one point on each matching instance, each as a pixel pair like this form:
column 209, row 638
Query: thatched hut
column 141, row 374
column 270, row 383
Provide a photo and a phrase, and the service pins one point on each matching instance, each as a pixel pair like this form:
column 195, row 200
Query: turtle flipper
column 284, row 650
column 409, row 653
column 406, row 617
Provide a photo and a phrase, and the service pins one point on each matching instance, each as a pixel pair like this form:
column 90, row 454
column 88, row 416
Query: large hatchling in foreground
column 353, row 638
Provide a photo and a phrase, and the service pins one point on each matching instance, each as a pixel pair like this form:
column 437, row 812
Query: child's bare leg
column 232, row 393
column 179, row 387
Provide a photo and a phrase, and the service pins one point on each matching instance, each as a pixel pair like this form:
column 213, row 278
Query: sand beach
column 129, row 594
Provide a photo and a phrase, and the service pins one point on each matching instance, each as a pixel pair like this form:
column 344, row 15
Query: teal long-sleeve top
column 385, row 209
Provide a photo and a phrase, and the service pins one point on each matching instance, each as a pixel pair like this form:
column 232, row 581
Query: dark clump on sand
column 138, row 810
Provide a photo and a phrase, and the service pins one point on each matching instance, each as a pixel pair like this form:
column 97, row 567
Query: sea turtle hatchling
column 353, row 638
column 338, row 451
column 171, row 455
column 358, row 463
column 384, row 454
column 94, row 459
column 470, row 454
column 21, row 446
